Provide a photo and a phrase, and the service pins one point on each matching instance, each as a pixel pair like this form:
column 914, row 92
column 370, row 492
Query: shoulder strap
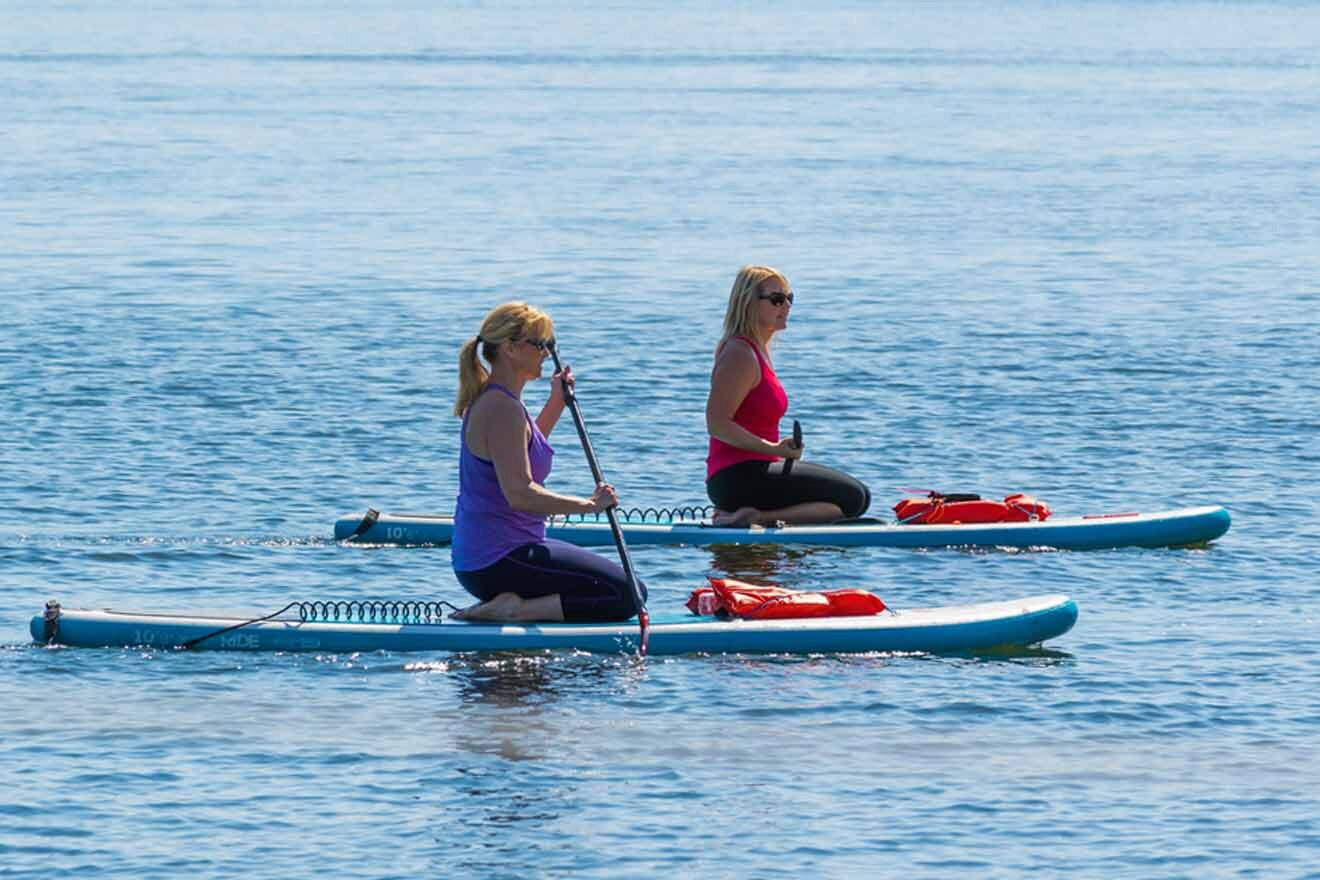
column 756, row 350
column 527, row 415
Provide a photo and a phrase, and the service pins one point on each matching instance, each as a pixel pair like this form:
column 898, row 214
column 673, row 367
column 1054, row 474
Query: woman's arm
column 736, row 373
column 554, row 404
column 506, row 434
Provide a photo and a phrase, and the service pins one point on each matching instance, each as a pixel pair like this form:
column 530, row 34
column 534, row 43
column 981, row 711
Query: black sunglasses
column 538, row 344
column 777, row 299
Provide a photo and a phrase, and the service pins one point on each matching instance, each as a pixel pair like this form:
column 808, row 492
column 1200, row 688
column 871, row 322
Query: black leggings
column 762, row 484
column 590, row 587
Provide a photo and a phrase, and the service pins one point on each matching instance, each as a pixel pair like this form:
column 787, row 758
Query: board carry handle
column 371, row 518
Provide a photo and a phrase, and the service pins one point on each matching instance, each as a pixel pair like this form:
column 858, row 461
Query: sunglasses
column 538, row 344
column 777, row 299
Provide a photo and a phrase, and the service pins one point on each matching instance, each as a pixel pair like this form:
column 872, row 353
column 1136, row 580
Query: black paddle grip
column 797, row 442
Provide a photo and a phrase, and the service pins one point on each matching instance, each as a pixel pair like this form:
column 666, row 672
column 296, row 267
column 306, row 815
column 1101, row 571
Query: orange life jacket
column 726, row 597
column 937, row 509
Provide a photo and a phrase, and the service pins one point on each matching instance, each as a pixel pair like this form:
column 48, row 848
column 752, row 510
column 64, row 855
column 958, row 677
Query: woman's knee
column 623, row 603
column 601, row 601
column 857, row 500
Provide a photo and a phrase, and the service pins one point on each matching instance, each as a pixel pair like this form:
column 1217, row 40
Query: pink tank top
column 759, row 412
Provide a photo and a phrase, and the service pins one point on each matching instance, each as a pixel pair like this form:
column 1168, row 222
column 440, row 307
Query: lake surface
column 1053, row 247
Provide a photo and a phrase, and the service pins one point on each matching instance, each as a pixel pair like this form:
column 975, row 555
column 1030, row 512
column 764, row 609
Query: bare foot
column 505, row 606
column 462, row 613
column 739, row 519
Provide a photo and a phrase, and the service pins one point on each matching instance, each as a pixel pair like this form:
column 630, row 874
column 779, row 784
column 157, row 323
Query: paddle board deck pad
column 952, row 630
column 1169, row 528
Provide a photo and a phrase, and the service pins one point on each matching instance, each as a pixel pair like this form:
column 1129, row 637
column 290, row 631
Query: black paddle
column 570, row 398
column 797, row 441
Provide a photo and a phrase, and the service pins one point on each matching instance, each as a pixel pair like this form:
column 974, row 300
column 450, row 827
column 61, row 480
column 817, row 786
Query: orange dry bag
column 726, row 597
column 939, row 509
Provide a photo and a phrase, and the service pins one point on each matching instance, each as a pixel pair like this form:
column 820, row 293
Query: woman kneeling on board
column 500, row 552
column 745, row 469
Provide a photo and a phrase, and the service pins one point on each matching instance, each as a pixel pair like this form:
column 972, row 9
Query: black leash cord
column 642, row 514
column 348, row 611
column 193, row 642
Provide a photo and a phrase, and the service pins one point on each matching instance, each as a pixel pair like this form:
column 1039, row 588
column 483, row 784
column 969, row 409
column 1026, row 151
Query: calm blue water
column 1063, row 248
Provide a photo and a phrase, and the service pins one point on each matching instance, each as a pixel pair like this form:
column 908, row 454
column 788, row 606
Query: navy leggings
column 762, row 484
column 590, row 587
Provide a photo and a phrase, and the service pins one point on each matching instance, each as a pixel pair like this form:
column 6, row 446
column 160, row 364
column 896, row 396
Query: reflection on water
column 524, row 709
column 762, row 564
column 507, row 699
column 506, row 681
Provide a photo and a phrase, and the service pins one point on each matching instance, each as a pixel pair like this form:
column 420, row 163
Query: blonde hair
column 511, row 321
column 739, row 320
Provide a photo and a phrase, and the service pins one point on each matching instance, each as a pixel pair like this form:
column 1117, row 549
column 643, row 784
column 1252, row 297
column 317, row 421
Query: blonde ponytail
column 472, row 376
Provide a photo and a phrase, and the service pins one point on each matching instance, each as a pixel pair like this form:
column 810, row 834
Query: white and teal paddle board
column 1168, row 528
column 951, row 630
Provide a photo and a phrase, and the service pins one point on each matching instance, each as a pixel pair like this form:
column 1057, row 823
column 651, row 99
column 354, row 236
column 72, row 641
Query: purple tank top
column 486, row 528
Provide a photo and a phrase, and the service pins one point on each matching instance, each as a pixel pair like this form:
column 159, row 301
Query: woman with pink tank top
column 745, row 476
column 500, row 552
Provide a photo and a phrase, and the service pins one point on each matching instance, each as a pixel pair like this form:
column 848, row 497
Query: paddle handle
column 570, row 399
column 797, row 441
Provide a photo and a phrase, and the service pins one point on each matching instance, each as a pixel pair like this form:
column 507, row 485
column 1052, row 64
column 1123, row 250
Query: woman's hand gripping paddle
column 797, row 441
column 570, row 398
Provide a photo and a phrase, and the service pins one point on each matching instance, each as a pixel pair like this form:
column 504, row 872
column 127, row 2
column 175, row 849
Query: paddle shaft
column 797, row 441
column 570, row 399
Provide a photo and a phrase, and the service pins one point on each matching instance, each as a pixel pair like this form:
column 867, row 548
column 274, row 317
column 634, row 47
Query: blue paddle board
column 954, row 629
column 1168, row 528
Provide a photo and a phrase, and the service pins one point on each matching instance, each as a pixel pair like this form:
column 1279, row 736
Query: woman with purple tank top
column 500, row 552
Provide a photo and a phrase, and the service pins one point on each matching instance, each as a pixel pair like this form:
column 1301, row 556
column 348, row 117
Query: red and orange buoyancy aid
column 726, row 597
column 939, row 509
